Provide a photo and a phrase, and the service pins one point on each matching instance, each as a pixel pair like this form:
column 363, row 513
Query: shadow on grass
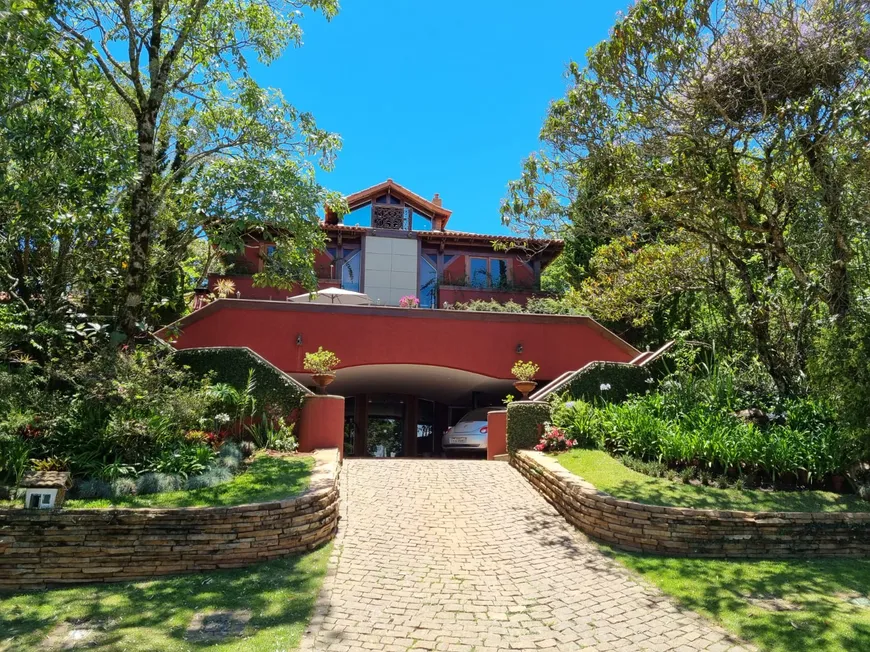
column 155, row 614
column 742, row 596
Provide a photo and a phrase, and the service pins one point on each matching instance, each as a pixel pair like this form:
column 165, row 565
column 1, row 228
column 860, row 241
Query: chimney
column 436, row 199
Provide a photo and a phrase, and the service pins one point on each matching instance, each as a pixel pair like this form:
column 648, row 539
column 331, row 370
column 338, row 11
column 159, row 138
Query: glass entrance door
column 385, row 430
column 385, row 436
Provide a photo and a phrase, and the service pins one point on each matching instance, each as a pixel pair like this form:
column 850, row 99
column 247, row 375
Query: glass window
column 478, row 273
column 361, row 216
column 270, row 250
column 428, row 284
column 498, row 276
column 350, row 270
column 421, row 222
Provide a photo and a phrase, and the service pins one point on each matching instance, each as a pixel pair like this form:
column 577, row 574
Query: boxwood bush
column 611, row 381
column 524, row 420
column 275, row 390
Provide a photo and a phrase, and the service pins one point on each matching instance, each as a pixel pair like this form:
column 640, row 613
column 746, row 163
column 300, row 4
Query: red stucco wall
column 483, row 343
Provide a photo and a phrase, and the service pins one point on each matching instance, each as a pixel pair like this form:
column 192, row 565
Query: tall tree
column 201, row 122
column 737, row 131
column 63, row 154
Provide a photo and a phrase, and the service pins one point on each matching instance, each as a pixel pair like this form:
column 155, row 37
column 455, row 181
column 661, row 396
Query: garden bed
column 43, row 548
column 266, row 477
column 613, row 477
column 684, row 531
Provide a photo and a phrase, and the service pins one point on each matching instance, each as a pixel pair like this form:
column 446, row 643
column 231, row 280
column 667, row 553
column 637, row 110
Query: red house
column 407, row 374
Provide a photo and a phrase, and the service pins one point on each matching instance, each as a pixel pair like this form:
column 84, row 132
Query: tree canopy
column 721, row 152
column 131, row 131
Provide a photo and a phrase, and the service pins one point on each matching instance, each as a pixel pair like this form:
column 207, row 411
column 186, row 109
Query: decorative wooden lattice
column 388, row 217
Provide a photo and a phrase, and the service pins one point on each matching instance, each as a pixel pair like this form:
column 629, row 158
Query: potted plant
column 321, row 365
column 224, row 288
column 409, row 301
column 525, row 372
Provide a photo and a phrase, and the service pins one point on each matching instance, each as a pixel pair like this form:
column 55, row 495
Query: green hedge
column 275, row 389
column 523, row 421
column 623, row 379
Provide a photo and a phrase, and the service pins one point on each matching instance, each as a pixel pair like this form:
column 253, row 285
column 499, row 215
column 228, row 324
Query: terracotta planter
column 322, row 380
column 525, row 387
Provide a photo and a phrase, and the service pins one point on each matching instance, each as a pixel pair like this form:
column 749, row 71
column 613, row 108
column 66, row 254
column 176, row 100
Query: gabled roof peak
column 362, row 197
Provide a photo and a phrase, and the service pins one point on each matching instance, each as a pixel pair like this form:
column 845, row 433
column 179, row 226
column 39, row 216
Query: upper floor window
column 488, row 272
column 350, row 270
column 428, row 281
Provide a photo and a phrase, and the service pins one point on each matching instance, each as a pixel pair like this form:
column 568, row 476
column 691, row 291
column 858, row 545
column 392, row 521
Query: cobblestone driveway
column 465, row 555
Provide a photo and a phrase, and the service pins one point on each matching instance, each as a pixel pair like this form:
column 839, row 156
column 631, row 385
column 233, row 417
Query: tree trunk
column 759, row 326
column 142, row 206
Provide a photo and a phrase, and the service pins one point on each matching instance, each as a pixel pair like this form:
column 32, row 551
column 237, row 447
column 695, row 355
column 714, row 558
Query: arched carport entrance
column 401, row 410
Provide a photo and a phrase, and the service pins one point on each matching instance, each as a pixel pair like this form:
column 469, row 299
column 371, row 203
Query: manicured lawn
column 782, row 606
column 267, row 478
column 155, row 615
column 611, row 476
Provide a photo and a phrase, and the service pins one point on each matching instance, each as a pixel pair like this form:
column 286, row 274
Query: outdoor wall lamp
column 520, row 347
column 299, row 339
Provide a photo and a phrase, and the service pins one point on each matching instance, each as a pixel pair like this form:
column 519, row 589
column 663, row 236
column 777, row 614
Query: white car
column 469, row 433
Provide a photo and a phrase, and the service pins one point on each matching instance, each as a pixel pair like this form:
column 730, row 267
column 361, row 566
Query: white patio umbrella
column 334, row 295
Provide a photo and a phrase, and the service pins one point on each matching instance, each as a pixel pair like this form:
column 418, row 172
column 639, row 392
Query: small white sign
column 40, row 498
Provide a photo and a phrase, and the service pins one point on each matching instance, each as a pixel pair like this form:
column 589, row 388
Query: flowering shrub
column 409, row 301
column 197, row 436
column 525, row 371
column 320, row 361
column 554, row 440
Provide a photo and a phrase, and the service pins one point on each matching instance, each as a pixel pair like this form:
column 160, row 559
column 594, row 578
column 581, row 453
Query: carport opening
column 389, row 426
column 399, row 410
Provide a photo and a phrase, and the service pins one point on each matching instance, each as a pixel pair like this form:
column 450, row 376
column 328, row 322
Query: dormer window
column 392, row 207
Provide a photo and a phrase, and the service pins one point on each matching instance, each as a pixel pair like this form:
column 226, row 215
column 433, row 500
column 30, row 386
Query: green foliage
column 157, row 483
column 534, row 305
column 636, row 483
column 320, row 361
column 667, row 428
column 630, row 280
column 210, row 478
column 524, row 371
column 610, row 381
column 184, row 461
column 266, row 478
column 723, row 140
column 525, row 422
column 840, row 372
column 273, row 391
column 15, row 454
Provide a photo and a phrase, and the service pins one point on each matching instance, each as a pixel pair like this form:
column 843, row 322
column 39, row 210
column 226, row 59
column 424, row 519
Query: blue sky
column 443, row 97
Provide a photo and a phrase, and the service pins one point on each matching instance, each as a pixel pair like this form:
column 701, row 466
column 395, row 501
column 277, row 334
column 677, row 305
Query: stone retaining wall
column 693, row 532
column 70, row 546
